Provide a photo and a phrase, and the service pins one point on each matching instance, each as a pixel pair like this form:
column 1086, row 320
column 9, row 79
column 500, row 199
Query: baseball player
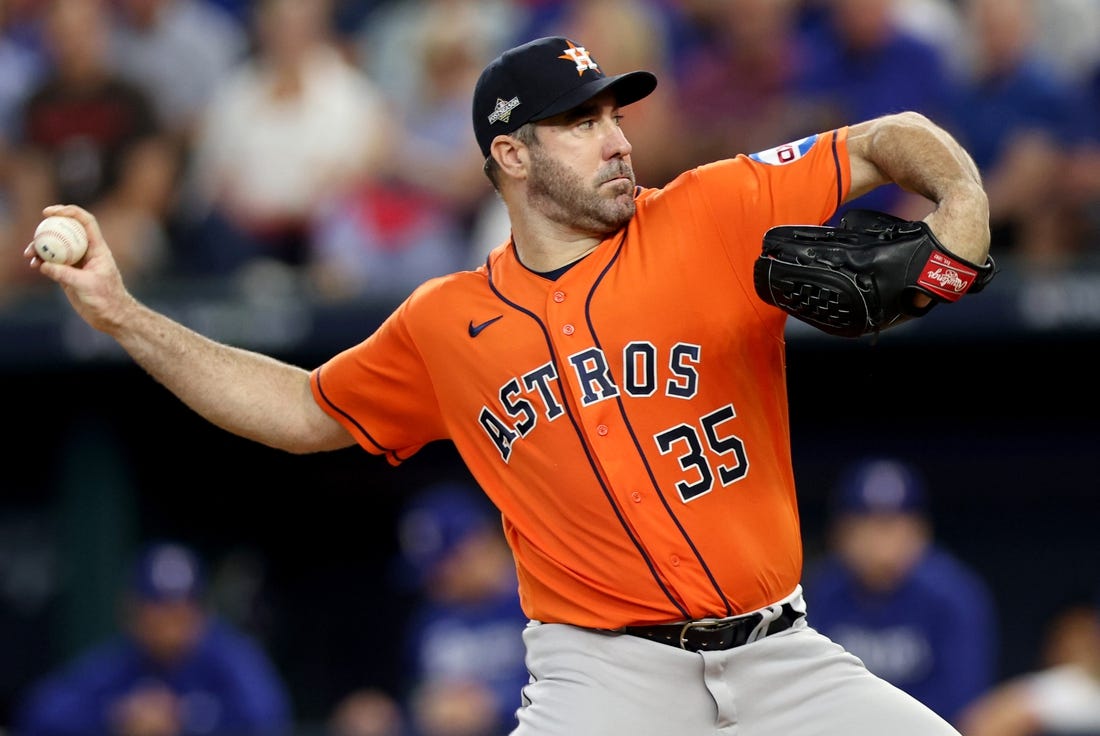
column 616, row 389
column 889, row 592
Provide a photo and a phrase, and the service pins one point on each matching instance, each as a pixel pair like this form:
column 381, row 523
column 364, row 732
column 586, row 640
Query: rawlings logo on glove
column 863, row 276
column 950, row 279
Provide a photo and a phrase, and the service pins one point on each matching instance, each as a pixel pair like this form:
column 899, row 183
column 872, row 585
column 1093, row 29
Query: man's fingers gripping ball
column 60, row 239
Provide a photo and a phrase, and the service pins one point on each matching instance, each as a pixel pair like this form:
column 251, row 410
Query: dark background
column 992, row 402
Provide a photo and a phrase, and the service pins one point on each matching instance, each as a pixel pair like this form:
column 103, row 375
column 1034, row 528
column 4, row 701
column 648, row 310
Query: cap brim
column 628, row 88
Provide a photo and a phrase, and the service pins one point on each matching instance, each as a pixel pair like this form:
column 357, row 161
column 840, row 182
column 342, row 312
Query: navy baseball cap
column 880, row 485
column 167, row 572
column 437, row 521
column 541, row 79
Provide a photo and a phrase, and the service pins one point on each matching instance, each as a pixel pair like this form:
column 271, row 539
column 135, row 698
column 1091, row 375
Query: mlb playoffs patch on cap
column 541, row 79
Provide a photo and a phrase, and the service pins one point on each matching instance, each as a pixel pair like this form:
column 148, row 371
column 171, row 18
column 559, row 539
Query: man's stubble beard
column 564, row 197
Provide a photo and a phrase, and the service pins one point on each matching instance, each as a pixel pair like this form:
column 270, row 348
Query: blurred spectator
column 465, row 659
column 939, row 23
column 21, row 65
column 381, row 45
column 739, row 85
column 1068, row 34
column 20, row 68
column 295, row 125
column 240, row 9
column 87, row 136
column 1018, row 118
column 23, row 22
column 1081, row 180
column 411, row 219
column 1062, row 697
column 174, row 669
column 865, row 63
column 178, row 51
column 889, row 594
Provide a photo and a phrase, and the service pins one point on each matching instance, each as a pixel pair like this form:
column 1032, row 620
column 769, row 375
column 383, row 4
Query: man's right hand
column 94, row 287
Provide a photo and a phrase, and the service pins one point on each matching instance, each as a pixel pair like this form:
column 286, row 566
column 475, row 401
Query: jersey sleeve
column 381, row 391
column 799, row 183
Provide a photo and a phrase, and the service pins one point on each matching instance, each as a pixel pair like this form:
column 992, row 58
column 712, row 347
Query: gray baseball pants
column 792, row 683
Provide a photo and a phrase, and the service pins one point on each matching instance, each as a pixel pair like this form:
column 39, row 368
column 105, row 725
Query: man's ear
column 511, row 156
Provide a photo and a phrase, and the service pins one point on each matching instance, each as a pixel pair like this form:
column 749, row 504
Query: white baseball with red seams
column 60, row 239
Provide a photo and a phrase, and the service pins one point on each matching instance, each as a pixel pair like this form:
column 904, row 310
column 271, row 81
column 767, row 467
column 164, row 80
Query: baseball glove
column 863, row 276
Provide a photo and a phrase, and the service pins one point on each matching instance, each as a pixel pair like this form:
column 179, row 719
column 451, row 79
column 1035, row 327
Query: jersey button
column 601, row 430
column 568, row 329
column 675, row 560
column 559, row 296
column 636, row 497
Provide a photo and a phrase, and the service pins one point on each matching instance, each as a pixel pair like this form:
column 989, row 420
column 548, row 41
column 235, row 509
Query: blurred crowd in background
column 184, row 660
column 331, row 140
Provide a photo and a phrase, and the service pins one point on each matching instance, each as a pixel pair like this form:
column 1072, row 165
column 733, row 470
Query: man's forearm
column 241, row 391
column 911, row 151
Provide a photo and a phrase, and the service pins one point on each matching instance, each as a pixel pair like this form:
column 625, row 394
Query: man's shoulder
column 223, row 634
column 440, row 290
column 951, row 578
column 722, row 178
column 828, row 578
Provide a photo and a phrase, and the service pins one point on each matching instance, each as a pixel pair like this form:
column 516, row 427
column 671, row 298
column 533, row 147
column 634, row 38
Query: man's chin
column 626, row 209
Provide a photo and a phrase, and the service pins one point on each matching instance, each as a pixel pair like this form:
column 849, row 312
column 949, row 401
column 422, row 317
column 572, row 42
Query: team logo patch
column 579, row 56
column 786, row 153
column 503, row 110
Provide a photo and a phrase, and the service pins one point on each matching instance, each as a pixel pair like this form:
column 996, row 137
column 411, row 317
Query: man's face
column 580, row 172
column 881, row 548
column 167, row 630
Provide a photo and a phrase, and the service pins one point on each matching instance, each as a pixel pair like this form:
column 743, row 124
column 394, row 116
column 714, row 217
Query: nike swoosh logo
column 475, row 330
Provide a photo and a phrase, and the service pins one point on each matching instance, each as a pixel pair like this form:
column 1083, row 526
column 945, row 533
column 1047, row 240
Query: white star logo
column 579, row 56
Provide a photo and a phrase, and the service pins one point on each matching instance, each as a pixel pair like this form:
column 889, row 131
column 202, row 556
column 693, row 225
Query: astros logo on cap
column 579, row 56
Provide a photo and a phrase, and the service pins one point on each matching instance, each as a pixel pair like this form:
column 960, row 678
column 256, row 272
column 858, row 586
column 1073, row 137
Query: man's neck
column 548, row 246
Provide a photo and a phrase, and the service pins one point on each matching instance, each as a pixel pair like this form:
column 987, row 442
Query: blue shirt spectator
column 1020, row 120
column 174, row 670
column 991, row 110
column 463, row 666
column 465, row 639
column 916, row 615
column 865, row 64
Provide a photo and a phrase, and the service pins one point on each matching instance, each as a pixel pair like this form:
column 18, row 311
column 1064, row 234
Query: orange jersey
column 630, row 418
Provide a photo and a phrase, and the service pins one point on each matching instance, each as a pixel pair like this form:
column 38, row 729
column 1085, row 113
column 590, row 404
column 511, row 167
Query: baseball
column 60, row 239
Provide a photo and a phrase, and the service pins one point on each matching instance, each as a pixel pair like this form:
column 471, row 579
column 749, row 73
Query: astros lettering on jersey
column 629, row 419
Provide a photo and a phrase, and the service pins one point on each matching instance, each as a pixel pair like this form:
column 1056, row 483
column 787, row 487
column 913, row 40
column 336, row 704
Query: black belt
column 715, row 634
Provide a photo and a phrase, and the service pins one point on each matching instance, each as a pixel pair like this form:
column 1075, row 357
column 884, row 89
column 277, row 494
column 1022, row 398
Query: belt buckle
column 705, row 624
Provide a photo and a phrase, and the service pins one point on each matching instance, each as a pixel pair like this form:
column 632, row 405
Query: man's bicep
column 865, row 174
column 326, row 431
column 330, row 433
